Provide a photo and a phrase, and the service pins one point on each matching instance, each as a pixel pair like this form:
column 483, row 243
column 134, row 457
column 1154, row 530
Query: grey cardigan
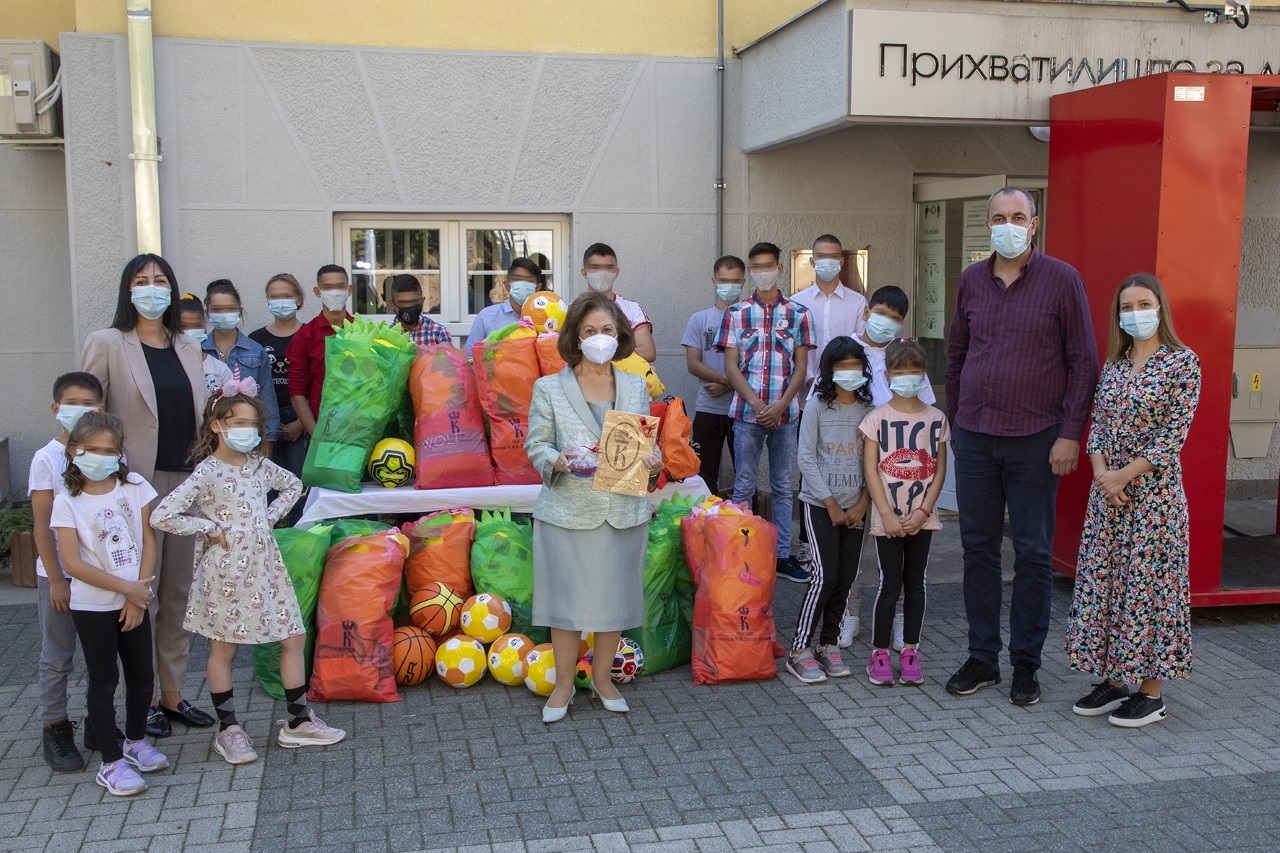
column 559, row 419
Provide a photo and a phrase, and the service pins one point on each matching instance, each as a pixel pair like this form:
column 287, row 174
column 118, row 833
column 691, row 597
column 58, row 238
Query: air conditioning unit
column 30, row 92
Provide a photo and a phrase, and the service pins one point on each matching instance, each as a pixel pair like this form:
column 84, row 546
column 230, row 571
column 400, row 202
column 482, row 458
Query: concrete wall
column 37, row 344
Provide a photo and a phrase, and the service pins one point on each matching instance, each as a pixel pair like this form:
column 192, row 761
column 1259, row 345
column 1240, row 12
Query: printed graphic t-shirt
column 109, row 530
column 908, row 445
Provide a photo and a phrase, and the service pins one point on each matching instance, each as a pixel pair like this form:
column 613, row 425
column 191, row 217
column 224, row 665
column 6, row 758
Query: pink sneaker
column 909, row 667
column 878, row 669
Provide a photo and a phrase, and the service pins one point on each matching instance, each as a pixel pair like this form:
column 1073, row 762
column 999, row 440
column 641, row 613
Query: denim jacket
column 252, row 360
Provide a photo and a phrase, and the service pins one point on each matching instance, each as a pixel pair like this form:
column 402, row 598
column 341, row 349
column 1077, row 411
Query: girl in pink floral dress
column 1131, row 612
column 241, row 593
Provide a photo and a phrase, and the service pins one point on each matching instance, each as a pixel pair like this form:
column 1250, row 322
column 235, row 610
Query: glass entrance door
column 950, row 234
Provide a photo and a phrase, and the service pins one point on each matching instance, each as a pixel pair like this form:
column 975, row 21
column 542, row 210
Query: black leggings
column 102, row 642
column 904, row 563
column 835, row 566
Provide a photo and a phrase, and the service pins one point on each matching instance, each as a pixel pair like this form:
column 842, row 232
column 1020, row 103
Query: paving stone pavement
column 771, row 765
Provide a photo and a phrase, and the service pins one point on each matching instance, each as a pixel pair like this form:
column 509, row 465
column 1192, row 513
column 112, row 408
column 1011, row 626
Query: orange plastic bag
column 675, row 440
column 505, row 372
column 548, row 348
column 448, row 433
column 354, row 632
column 733, row 628
column 440, row 551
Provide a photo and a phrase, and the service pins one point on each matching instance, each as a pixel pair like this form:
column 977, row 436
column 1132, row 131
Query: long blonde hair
column 1119, row 341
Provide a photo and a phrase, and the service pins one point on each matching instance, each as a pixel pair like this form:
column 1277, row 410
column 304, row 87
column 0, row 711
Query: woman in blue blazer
column 588, row 546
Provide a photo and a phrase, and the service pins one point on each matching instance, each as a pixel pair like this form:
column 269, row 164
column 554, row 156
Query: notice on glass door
column 976, row 243
column 931, row 280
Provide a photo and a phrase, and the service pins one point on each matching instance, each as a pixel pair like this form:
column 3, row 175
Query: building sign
column 1005, row 67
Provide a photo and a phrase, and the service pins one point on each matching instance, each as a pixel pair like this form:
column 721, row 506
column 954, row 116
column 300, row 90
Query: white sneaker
column 234, row 746
column 849, row 626
column 897, row 643
column 311, row 732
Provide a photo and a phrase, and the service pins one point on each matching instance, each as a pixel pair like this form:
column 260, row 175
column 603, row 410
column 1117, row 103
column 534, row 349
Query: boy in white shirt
column 600, row 269
column 73, row 395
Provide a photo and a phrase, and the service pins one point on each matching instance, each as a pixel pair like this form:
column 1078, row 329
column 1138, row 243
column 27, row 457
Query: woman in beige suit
column 154, row 382
column 588, row 546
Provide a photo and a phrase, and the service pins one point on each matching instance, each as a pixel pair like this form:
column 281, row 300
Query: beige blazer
column 559, row 419
column 116, row 358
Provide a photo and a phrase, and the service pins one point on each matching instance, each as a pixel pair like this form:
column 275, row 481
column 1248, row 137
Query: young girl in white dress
column 241, row 593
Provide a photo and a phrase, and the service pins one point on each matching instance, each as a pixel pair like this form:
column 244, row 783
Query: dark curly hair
column 840, row 348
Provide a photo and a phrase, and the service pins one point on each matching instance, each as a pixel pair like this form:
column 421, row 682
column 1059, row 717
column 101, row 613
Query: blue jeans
column 993, row 472
column 748, row 439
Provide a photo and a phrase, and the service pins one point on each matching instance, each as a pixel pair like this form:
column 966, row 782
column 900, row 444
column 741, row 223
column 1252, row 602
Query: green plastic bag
column 341, row 529
column 366, row 376
column 303, row 552
column 502, row 564
column 666, row 637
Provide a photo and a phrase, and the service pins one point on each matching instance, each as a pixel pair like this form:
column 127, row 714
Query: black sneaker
column 789, row 569
column 974, row 674
column 1104, row 699
column 91, row 739
column 1024, row 690
column 60, row 751
column 1137, row 711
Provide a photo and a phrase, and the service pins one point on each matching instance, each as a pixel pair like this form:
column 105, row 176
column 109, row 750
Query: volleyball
column 414, row 654
column 435, row 609
column 391, row 463
column 460, row 662
column 486, row 617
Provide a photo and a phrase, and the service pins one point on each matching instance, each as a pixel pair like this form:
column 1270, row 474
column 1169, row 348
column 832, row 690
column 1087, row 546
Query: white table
column 324, row 504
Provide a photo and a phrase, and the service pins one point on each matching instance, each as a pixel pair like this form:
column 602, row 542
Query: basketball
column 546, row 310
column 486, row 617
column 435, row 609
column 460, row 661
column 391, row 462
column 627, row 661
column 414, row 654
column 582, row 675
column 540, row 670
column 506, row 658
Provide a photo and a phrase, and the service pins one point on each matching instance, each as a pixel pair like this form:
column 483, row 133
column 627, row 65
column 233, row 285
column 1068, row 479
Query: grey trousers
column 57, row 654
column 174, row 566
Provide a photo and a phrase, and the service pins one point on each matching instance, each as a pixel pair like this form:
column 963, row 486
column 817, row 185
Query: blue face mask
column 728, row 293
column 908, row 386
column 1140, row 325
column 69, row 416
column 151, row 300
column 242, row 439
column 881, row 329
column 282, row 309
column 849, row 380
column 522, row 290
column 827, row 268
column 197, row 335
column 1009, row 240
column 224, row 322
column 95, row 466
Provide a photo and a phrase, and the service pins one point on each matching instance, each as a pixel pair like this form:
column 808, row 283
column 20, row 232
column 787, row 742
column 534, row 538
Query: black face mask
column 409, row 317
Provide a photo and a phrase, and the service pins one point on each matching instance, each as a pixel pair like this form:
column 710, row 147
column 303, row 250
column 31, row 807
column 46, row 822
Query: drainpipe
column 142, row 99
column 720, row 185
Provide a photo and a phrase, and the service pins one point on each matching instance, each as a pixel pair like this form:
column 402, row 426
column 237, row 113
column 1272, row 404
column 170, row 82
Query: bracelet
column 922, row 509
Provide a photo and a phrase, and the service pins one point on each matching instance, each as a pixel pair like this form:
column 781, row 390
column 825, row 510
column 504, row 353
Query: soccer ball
column 506, row 658
column 546, row 310
column 460, row 661
column 627, row 661
column 413, row 654
column 435, row 609
column 391, row 463
column 586, row 644
column 582, row 675
column 540, row 670
column 486, row 617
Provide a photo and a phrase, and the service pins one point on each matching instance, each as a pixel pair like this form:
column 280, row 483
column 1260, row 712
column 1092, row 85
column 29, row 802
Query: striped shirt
column 766, row 337
column 1021, row 358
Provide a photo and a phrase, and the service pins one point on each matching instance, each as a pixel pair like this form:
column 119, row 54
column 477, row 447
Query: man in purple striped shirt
column 1021, row 370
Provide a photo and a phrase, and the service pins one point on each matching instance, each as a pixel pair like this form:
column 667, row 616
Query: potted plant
column 16, row 537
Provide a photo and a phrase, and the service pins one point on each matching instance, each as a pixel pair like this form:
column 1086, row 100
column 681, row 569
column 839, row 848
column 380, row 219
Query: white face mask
column 282, row 309
column 1009, row 240
column 522, row 290
column 601, row 281
column 69, row 415
column 764, row 280
column 334, row 300
column 599, row 349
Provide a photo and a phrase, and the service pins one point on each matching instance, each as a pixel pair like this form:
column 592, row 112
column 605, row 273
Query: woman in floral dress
column 1131, row 614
